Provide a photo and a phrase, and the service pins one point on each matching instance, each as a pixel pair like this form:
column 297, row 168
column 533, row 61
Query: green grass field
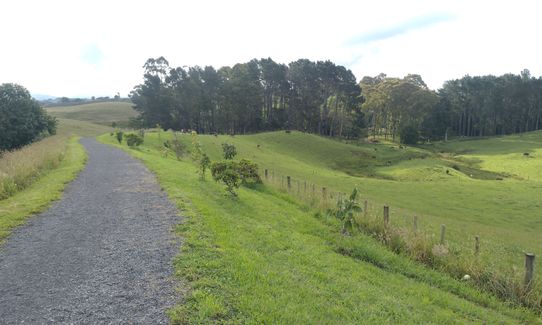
column 103, row 113
column 422, row 182
column 265, row 258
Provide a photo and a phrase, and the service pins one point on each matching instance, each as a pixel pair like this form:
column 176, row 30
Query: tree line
column 324, row 98
column 318, row 97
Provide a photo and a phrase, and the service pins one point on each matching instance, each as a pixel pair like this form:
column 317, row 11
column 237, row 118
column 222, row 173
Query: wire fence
column 374, row 220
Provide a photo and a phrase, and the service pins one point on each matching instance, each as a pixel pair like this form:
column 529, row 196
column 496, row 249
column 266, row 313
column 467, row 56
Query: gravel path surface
column 100, row 255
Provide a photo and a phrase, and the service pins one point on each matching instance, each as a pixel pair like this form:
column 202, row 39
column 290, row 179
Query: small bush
column 229, row 151
column 204, row 164
column 119, row 135
column 226, row 172
column 176, row 145
column 248, row 171
column 133, row 140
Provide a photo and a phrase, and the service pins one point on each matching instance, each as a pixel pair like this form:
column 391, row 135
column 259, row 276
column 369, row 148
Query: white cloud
column 44, row 42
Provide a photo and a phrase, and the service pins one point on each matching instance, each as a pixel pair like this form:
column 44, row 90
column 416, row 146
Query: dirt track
column 102, row 254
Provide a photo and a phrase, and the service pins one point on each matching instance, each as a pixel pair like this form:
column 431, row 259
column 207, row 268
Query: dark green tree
column 22, row 119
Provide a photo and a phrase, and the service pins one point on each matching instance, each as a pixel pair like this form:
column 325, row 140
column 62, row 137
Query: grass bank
column 46, row 188
column 266, row 258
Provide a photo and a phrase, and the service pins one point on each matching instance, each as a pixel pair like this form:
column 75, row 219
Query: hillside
column 470, row 191
column 104, row 113
column 265, row 258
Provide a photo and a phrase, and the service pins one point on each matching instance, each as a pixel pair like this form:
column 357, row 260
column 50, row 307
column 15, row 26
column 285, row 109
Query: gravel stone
column 100, row 255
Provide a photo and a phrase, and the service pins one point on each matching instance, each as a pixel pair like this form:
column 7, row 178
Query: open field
column 438, row 186
column 266, row 258
column 103, row 113
column 415, row 181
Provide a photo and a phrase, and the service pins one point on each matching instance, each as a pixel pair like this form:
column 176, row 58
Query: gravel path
column 102, row 254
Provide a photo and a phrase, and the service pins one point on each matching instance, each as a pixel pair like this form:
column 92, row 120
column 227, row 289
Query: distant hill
column 40, row 97
column 104, row 113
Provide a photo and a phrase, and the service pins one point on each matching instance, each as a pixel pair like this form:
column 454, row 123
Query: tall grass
column 20, row 168
column 422, row 247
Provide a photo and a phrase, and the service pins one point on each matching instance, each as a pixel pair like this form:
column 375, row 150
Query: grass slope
column 103, row 113
column 413, row 181
column 266, row 259
column 37, row 197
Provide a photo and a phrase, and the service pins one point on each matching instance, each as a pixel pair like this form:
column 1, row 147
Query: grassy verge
column 265, row 258
column 20, row 168
column 46, row 188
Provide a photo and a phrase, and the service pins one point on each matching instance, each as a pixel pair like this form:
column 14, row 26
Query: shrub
column 409, row 134
column 133, row 140
column 227, row 173
column 204, row 163
column 176, row 145
column 119, row 135
column 229, row 151
column 248, row 171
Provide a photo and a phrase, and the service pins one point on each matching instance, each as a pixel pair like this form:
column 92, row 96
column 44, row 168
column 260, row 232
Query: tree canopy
column 324, row 98
column 22, row 119
column 319, row 97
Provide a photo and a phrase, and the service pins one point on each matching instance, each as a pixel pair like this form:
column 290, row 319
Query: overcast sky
column 84, row 48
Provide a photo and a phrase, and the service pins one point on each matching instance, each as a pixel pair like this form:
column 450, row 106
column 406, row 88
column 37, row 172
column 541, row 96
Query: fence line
column 327, row 199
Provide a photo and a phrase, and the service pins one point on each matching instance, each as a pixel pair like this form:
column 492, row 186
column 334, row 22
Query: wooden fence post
column 386, row 215
column 266, row 174
column 324, row 193
column 476, row 245
column 365, row 206
column 305, row 188
column 442, row 233
column 289, row 181
column 529, row 269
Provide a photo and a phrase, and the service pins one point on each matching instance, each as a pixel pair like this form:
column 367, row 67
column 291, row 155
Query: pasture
column 265, row 257
column 103, row 113
column 470, row 186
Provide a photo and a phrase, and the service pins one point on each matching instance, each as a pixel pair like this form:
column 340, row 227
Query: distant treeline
column 324, row 98
column 66, row 101
column 470, row 106
column 318, row 97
